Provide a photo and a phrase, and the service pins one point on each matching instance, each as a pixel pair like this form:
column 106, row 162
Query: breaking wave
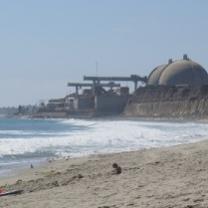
column 76, row 137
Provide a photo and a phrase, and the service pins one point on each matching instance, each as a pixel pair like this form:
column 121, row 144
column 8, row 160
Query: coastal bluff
column 169, row 101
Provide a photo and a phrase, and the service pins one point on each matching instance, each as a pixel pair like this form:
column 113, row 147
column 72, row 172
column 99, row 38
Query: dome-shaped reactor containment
column 181, row 72
column 184, row 72
column 153, row 78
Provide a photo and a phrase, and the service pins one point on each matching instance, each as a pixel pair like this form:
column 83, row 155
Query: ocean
column 26, row 141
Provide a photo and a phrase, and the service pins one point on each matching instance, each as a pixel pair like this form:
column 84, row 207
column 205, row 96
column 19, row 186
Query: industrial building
column 102, row 95
column 178, row 89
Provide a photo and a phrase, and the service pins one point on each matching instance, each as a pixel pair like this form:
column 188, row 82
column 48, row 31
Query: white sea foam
column 79, row 122
column 103, row 136
column 7, row 133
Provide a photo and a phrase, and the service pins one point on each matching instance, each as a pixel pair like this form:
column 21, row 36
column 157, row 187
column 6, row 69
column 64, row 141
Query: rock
column 116, row 169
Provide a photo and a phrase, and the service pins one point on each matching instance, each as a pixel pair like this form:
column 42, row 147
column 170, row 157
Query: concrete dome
column 154, row 76
column 184, row 72
column 181, row 72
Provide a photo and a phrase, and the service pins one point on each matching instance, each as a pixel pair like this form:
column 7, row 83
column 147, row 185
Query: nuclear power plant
column 178, row 88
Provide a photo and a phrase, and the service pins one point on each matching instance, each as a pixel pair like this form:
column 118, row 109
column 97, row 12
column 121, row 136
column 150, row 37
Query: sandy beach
column 164, row 177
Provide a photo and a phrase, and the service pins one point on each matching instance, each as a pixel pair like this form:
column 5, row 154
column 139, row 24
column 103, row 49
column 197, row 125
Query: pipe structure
column 78, row 85
column 133, row 78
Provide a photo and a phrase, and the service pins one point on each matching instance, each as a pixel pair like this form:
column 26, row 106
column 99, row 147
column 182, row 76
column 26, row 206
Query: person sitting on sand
column 116, row 169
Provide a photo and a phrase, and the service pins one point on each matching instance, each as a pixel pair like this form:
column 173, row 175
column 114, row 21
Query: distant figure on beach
column 116, row 169
column 31, row 166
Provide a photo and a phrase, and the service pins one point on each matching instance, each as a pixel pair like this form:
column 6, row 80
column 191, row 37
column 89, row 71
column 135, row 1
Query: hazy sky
column 46, row 43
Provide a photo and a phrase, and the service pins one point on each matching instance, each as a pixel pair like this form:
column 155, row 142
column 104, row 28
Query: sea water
column 26, row 141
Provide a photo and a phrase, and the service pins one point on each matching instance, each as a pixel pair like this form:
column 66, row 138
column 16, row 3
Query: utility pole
column 96, row 68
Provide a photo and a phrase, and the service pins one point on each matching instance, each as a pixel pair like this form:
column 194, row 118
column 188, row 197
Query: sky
column 46, row 43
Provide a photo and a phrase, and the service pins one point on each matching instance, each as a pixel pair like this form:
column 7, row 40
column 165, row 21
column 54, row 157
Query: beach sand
column 164, row 177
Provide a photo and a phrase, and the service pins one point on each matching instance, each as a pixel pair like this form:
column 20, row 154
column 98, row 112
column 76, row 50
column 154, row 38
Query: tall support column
column 135, row 85
column 77, row 91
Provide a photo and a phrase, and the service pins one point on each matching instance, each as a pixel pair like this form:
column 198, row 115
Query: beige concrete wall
column 196, row 108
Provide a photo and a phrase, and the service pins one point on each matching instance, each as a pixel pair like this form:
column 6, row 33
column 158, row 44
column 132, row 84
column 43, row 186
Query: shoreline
column 117, row 117
column 159, row 177
column 132, row 148
column 19, row 169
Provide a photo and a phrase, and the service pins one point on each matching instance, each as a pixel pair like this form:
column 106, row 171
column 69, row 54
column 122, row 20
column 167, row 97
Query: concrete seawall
column 167, row 102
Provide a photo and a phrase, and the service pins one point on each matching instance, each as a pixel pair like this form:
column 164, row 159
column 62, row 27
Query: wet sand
column 165, row 177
